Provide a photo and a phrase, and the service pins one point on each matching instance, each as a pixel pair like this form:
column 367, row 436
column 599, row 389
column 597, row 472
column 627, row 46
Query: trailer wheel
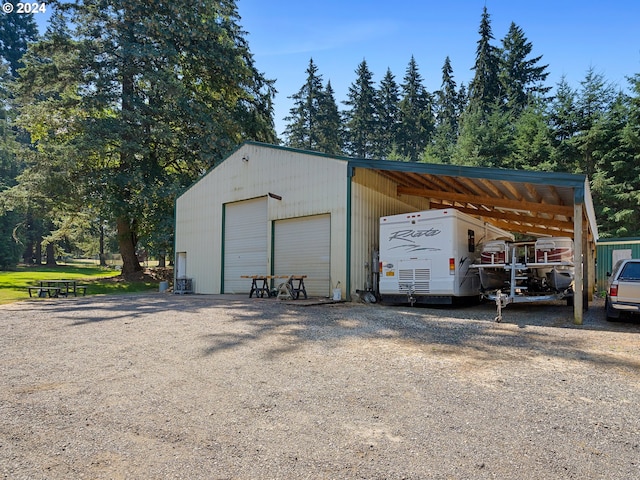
column 498, row 319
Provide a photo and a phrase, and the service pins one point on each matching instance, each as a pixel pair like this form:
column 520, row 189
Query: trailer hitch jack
column 501, row 301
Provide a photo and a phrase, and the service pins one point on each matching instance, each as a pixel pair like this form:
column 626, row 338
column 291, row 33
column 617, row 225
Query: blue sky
column 571, row 36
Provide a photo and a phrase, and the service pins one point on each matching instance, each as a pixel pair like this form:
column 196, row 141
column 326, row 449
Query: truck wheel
column 611, row 314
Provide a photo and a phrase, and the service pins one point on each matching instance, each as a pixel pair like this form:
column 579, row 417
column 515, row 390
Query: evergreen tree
column 447, row 113
column 615, row 184
column 594, row 101
column 563, row 122
column 486, row 138
column 361, row 119
column 483, row 113
column 416, row 114
column 484, row 89
column 16, row 33
column 304, row 124
column 626, row 169
column 9, row 168
column 388, row 116
column 532, row 142
column 448, row 102
column 329, row 123
column 163, row 91
column 521, row 77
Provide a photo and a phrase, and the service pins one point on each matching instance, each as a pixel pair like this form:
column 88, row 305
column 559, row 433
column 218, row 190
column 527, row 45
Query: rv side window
column 471, row 235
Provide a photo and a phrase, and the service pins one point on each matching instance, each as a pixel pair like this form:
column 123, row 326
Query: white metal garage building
column 270, row 210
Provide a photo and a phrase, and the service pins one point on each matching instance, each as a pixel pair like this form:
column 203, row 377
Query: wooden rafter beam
column 475, row 187
column 534, row 230
column 533, row 193
column 491, row 188
column 566, row 211
column 513, row 217
column 512, row 190
column 439, row 181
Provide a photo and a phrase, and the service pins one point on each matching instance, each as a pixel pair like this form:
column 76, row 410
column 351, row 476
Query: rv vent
column 419, row 278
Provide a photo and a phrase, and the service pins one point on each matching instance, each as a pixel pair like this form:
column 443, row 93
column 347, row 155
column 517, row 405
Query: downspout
column 175, row 241
column 224, row 212
column 272, row 254
column 350, row 174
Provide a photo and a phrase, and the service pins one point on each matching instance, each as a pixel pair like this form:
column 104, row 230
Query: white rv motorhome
column 425, row 256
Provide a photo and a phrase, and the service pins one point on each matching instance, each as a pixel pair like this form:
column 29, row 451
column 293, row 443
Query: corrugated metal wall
column 306, row 185
column 373, row 196
column 604, row 256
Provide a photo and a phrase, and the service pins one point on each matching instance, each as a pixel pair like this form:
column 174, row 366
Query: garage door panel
column 302, row 247
column 245, row 243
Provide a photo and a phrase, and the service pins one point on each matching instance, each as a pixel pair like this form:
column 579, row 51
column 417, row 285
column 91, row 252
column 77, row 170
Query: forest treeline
column 120, row 105
column 507, row 117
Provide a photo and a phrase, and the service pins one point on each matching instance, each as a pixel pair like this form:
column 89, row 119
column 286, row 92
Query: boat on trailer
column 528, row 271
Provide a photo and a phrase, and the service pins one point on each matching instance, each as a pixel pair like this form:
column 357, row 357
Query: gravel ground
column 162, row 386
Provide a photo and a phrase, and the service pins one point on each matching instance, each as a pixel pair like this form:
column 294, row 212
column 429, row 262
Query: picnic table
column 56, row 288
column 260, row 285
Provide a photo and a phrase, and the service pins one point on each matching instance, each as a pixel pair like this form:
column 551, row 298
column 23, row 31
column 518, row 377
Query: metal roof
column 523, row 201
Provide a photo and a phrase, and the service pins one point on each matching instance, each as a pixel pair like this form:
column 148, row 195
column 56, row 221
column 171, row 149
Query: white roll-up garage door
column 245, row 243
column 302, row 247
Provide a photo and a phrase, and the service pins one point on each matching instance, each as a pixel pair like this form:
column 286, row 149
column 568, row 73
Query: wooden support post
column 592, row 268
column 578, row 284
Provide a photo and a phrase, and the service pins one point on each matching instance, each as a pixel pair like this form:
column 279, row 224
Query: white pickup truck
column 623, row 292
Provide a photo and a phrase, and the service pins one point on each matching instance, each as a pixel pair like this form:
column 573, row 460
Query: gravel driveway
column 162, row 386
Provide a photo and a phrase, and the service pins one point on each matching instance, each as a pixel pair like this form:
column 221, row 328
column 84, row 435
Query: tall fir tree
column 17, row 31
column 521, row 78
column 447, row 112
column 563, row 122
column 330, row 123
column 615, row 183
column 595, row 99
column 484, row 89
column 361, row 116
column 165, row 90
column 416, row 114
column 532, row 140
column 626, row 168
column 388, row 115
column 481, row 140
column 10, row 246
column 304, row 123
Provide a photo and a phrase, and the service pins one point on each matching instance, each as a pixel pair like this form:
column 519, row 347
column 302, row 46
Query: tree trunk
column 51, row 254
column 28, row 254
column 162, row 263
column 38, row 254
column 103, row 259
column 127, row 238
column 127, row 241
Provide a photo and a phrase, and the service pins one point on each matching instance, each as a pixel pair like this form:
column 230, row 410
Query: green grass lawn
column 99, row 280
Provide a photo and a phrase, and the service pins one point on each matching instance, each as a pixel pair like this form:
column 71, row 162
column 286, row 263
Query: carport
column 527, row 202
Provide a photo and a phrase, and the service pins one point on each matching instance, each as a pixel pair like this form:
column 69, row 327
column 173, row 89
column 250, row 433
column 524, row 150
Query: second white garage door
column 302, row 247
